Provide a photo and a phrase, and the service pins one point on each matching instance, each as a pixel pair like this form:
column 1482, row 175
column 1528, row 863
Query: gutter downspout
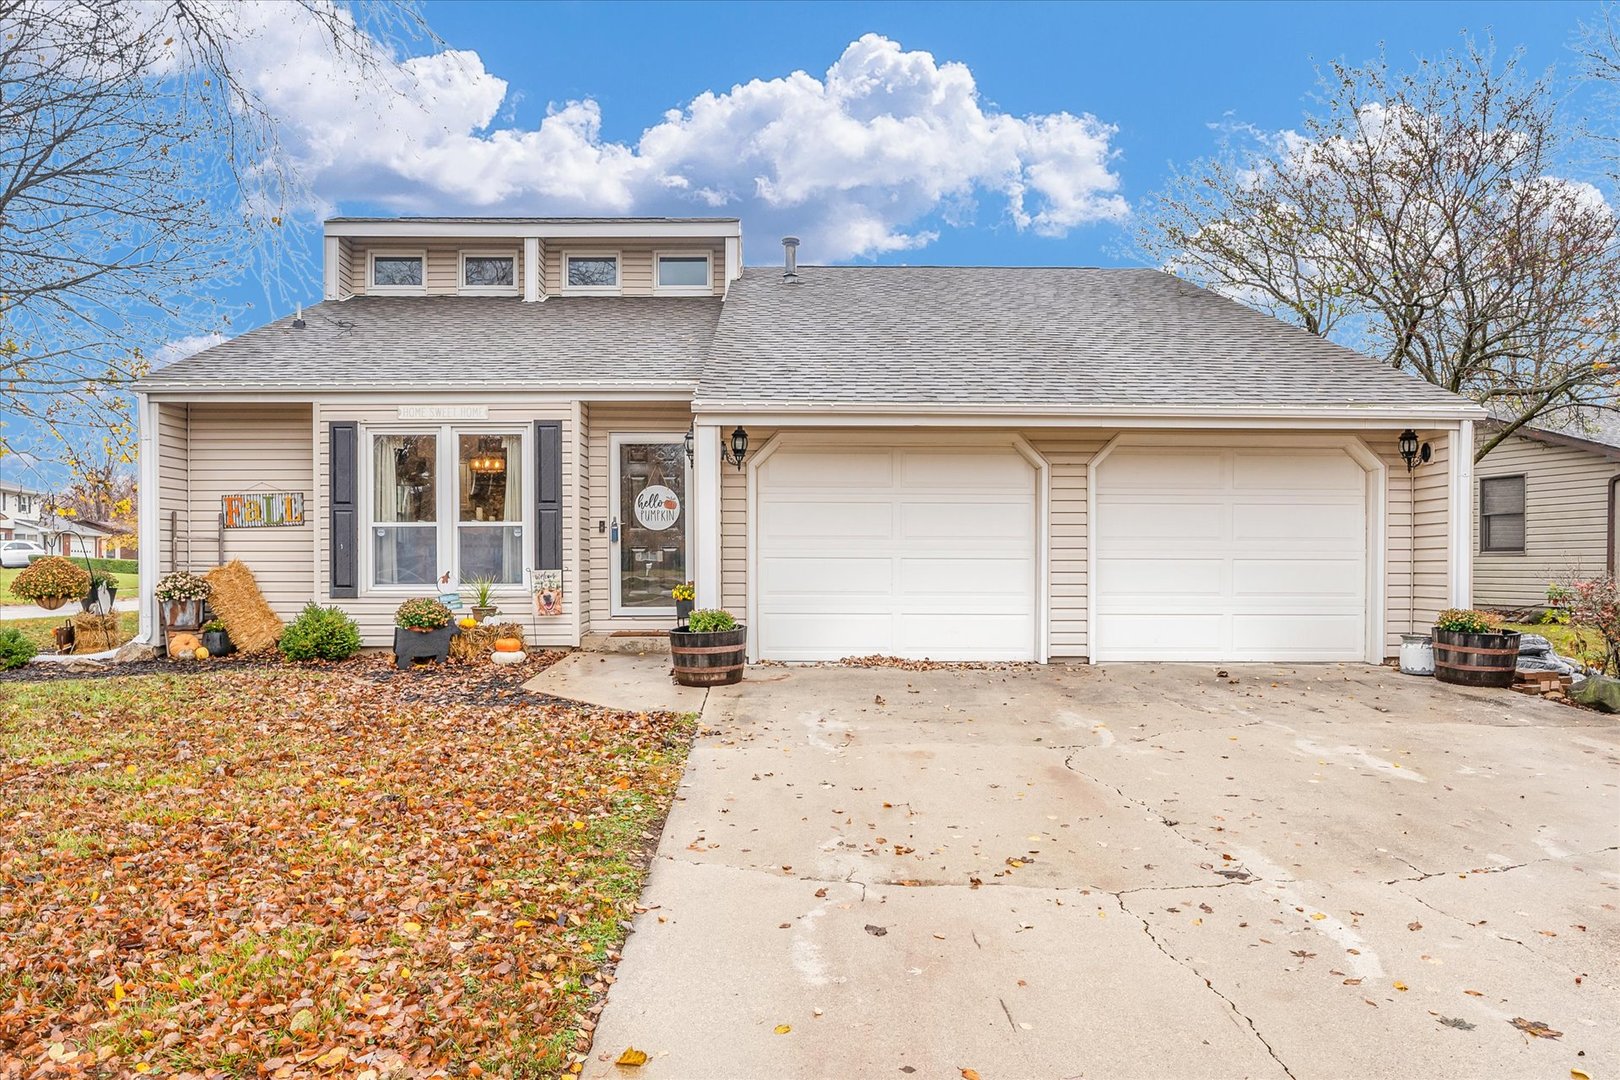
column 147, row 529
column 1614, row 487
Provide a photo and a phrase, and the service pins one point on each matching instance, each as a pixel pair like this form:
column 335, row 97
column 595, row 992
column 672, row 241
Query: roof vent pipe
column 790, row 251
column 298, row 319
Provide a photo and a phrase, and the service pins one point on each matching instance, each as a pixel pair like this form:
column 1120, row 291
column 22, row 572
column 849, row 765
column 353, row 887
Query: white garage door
column 900, row 551
column 1223, row 554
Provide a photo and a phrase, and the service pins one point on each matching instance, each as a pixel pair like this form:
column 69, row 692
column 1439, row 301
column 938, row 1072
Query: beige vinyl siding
column 1566, row 520
column 374, row 608
column 173, row 487
column 1417, row 559
column 1068, row 456
column 635, row 261
column 585, row 526
column 345, row 276
column 241, row 449
column 605, row 419
column 442, row 272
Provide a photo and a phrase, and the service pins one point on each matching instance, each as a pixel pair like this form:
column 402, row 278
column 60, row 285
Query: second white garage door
column 1227, row 554
column 899, row 551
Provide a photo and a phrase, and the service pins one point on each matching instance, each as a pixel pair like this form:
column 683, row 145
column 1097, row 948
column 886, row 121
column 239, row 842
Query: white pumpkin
column 508, row 657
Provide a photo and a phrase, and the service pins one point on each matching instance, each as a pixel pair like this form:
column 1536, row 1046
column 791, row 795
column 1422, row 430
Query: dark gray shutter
column 343, row 459
column 548, row 546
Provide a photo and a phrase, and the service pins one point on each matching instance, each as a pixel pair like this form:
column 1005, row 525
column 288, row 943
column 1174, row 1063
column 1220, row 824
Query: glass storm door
column 649, row 507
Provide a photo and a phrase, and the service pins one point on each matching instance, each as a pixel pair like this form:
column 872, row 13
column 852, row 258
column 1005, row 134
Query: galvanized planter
column 712, row 659
column 1475, row 659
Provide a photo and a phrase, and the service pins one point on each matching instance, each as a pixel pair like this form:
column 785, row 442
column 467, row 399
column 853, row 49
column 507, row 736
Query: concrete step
column 628, row 642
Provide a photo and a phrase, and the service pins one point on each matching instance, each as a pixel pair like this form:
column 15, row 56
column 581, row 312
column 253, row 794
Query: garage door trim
column 956, row 440
column 1377, row 477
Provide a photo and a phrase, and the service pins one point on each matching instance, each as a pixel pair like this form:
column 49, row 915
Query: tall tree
column 138, row 168
column 1420, row 216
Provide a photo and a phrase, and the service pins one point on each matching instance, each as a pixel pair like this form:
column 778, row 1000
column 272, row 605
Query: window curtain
column 385, row 503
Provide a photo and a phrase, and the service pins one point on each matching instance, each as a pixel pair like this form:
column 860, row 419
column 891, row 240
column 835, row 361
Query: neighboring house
column 1546, row 509
column 76, row 538
column 20, row 509
column 967, row 463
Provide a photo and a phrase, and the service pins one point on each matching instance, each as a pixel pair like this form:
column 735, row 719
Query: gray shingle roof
column 989, row 337
column 459, row 342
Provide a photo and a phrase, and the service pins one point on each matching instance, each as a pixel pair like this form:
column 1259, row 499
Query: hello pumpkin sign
column 263, row 509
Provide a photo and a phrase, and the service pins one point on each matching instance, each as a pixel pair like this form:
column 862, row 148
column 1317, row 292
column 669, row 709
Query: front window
column 483, row 272
column 1501, row 514
column 404, row 511
column 592, row 273
column 397, row 272
column 683, row 273
column 489, row 534
column 469, row 526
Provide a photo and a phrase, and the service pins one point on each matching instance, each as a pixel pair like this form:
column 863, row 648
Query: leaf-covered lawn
column 275, row 871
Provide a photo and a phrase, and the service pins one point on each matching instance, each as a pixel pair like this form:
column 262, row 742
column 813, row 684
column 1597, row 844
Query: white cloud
column 866, row 159
column 180, row 348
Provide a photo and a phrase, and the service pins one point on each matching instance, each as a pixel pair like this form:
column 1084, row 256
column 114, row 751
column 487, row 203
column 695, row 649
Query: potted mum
column 710, row 650
column 422, row 631
column 51, row 582
column 1471, row 649
column 684, row 596
column 181, row 594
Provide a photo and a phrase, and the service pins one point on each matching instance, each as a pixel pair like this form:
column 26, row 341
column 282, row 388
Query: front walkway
column 1121, row 872
column 16, row 612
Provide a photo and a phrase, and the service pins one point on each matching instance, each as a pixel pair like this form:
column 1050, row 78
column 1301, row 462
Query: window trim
column 706, row 289
column 1523, row 515
column 565, row 289
column 446, row 502
column 514, row 289
column 374, row 289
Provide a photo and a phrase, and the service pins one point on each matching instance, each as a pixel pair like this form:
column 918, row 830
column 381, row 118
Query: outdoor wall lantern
column 1412, row 452
column 734, row 454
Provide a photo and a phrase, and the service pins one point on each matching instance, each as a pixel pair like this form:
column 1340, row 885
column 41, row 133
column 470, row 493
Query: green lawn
column 1571, row 642
column 127, row 586
column 39, row 630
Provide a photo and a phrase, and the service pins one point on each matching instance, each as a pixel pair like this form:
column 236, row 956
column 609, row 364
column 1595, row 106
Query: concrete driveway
column 1130, row 871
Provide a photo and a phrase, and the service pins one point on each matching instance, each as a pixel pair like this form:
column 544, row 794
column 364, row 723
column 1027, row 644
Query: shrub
column 15, row 650
column 112, row 566
column 49, row 577
column 182, row 585
column 1459, row 621
column 710, row 621
column 320, row 633
column 421, row 614
column 1595, row 605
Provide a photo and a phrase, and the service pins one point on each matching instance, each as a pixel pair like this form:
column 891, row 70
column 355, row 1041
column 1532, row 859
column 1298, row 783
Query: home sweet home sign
column 262, row 509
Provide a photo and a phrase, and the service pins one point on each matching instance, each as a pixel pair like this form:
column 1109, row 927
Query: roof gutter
column 1049, row 415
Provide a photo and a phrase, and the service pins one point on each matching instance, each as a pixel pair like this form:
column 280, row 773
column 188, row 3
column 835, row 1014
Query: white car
column 15, row 554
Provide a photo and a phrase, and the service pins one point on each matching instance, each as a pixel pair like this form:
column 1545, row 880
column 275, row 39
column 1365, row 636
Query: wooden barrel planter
column 1475, row 659
column 711, row 659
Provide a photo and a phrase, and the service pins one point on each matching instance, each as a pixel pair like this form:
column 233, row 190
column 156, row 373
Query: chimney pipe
column 790, row 249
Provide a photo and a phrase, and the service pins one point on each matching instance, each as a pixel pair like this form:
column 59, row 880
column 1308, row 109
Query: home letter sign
column 263, row 510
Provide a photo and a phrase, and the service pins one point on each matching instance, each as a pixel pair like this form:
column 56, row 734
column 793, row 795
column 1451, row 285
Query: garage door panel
column 937, row 560
column 1266, row 561
column 844, row 469
column 1160, row 577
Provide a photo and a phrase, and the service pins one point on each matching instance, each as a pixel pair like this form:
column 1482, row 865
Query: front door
column 649, row 474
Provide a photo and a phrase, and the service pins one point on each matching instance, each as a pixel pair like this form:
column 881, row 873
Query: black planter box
column 683, row 611
column 427, row 646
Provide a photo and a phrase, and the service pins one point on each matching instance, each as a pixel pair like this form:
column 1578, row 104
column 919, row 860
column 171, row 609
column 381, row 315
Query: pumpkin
column 184, row 645
column 467, row 623
column 508, row 644
column 201, row 653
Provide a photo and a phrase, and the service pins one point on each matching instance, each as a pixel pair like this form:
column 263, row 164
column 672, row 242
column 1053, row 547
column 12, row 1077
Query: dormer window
column 398, row 272
column 682, row 273
column 489, row 273
column 588, row 272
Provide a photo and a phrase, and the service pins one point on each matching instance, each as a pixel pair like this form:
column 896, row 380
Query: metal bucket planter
column 712, row 659
column 1475, row 659
column 425, row 645
column 1417, row 654
column 683, row 611
column 218, row 643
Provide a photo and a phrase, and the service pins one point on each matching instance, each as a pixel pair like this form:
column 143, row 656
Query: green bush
column 710, row 621
column 111, row 566
column 320, row 633
column 1468, row 622
column 15, row 650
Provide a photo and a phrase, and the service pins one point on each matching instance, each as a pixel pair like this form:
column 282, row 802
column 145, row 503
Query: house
column 77, row 538
column 20, row 509
column 971, row 463
column 1546, row 508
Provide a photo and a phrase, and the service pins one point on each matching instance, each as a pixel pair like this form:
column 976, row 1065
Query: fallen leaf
column 1400, row 986
column 876, row 931
column 632, row 1057
column 783, row 1029
column 1414, row 926
column 970, row 1074
column 1318, row 916
column 1536, row 1028
column 1456, row 1022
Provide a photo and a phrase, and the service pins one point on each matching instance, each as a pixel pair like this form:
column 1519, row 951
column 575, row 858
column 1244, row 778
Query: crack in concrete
column 1425, row 875
column 1210, row 986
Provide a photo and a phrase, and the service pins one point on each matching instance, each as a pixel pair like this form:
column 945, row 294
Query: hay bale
column 475, row 643
column 238, row 603
column 94, row 633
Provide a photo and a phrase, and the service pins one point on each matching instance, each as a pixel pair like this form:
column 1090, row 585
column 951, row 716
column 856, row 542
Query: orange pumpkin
column 508, row 644
column 183, row 646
